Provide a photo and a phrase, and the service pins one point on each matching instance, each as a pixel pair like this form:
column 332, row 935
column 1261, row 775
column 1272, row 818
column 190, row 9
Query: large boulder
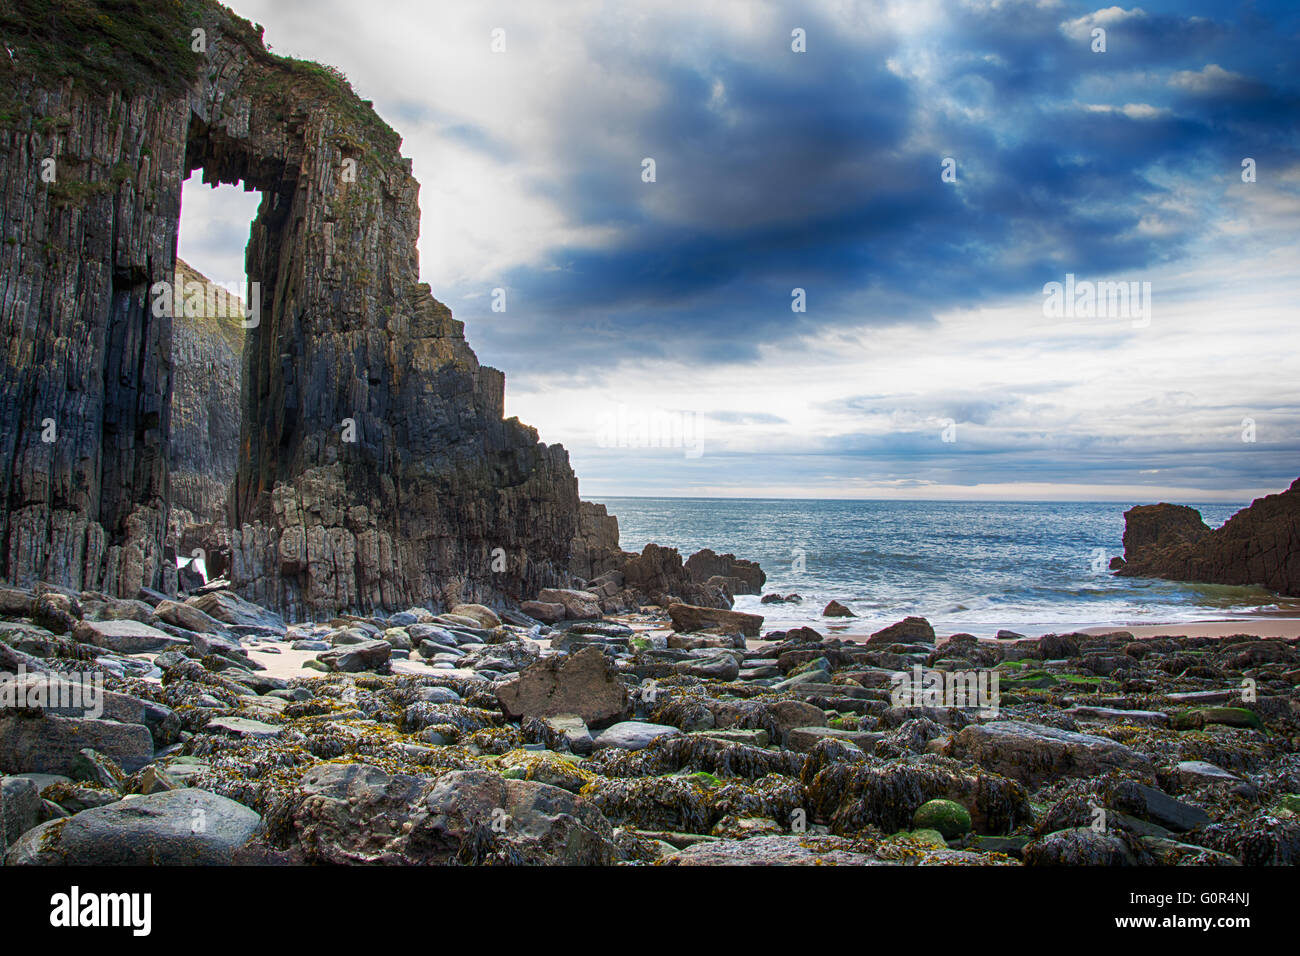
column 186, row 616
column 229, row 608
column 356, row 813
column 185, row 827
column 910, row 630
column 585, row 683
column 543, row 611
column 485, row 616
column 1035, row 754
column 43, row 743
column 59, row 695
column 689, row 617
column 363, row 656
column 746, row 577
column 578, row 605
column 126, row 637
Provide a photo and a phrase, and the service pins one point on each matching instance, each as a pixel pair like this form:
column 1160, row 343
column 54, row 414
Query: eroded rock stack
column 1258, row 545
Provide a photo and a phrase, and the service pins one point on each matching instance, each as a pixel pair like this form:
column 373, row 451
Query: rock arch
column 435, row 482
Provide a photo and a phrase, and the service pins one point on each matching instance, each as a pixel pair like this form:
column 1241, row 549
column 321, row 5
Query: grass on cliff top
column 229, row 325
column 131, row 45
column 106, row 44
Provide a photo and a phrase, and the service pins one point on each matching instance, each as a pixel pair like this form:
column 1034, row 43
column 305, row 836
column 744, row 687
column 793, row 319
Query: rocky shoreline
column 665, row 736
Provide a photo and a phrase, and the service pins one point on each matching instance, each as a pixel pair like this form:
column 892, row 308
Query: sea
column 977, row 567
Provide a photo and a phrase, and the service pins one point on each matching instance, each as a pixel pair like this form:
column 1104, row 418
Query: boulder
column 229, row 608
column 632, row 735
column 356, row 813
column 1148, row 803
column 910, row 630
column 578, row 605
column 690, row 617
column 585, row 684
column 485, row 616
column 836, row 609
column 44, row 743
column 948, row 817
column 186, row 616
column 184, row 827
column 723, row 668
column 363, row 656
column 1083, row 846
column 1035, row 754
column 573, row 730
column 126, row 637
column 544, row 612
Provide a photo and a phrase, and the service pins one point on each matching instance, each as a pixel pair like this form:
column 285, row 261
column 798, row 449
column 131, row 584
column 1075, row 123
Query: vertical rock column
column 91, row 198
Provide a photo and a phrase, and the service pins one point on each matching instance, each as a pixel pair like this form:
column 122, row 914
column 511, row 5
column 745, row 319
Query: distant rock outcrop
column 738, row 575
column 1258, row 545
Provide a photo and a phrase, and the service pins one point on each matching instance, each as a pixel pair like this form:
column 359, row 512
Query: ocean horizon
column 972, row 566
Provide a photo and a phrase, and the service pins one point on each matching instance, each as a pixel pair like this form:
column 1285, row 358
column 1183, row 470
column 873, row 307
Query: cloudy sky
column 650, row 326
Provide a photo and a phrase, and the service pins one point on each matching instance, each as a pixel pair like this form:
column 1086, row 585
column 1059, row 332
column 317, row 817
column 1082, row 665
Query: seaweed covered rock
column 948, row 817
column 355, row 813
column 1084, row 846
column 886, row 794
column 1034, row 753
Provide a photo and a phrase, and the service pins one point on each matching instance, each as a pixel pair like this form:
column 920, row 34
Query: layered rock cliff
column 206, row 361
column 375, row 470
column 1258, row 545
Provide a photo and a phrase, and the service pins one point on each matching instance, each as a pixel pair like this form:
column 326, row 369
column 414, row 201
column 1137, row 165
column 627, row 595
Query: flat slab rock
column 242, row 727
column 632, row 735
column 690, row 617
column 126, row 637
column 803, row 739
column 1035, row 754
column 229, row 608
column 1153, row 718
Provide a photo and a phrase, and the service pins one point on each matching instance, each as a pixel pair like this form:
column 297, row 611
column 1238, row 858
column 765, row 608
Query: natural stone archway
column 375, row 470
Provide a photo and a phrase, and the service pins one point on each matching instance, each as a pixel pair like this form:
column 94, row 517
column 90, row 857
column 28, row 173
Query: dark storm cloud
column 821, row 171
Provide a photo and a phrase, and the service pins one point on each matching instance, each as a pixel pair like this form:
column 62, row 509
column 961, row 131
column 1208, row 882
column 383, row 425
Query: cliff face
column 1258, row 545
column 374, row 468
column 206, row 363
